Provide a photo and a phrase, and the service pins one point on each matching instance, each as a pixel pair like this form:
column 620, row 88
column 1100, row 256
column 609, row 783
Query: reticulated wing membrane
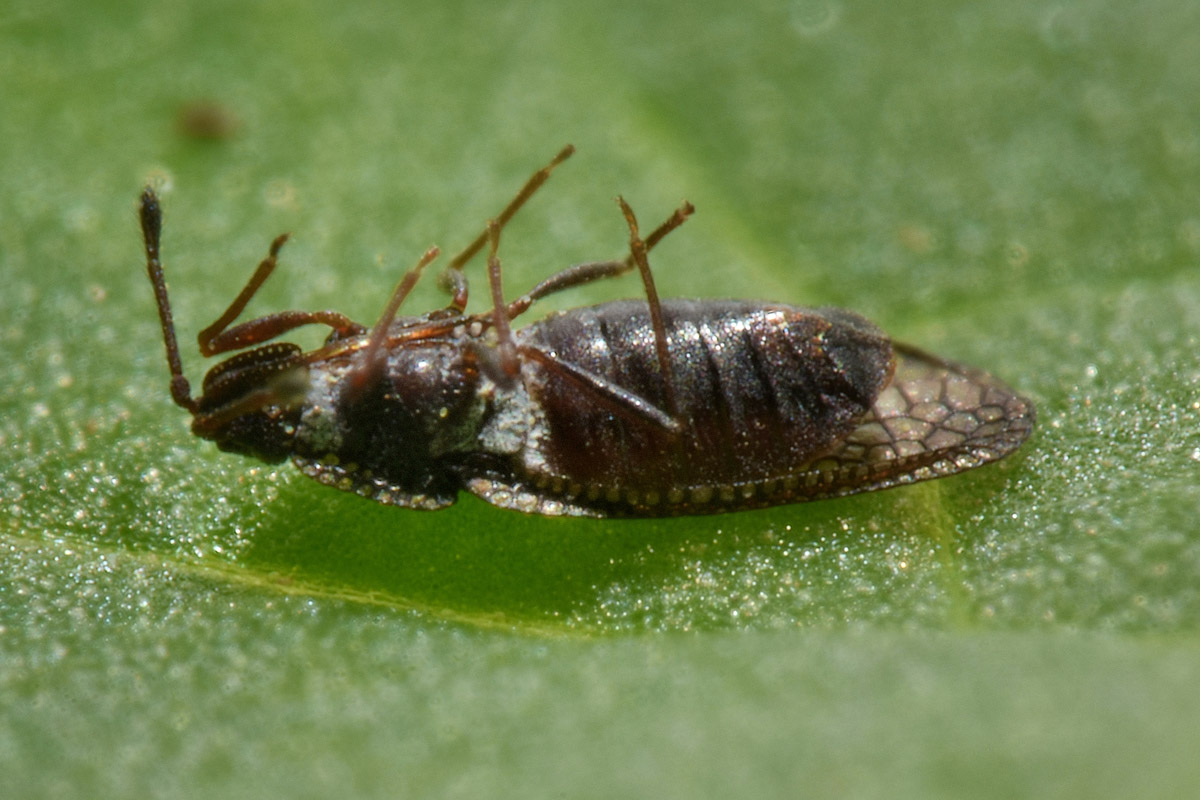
column 936, row 418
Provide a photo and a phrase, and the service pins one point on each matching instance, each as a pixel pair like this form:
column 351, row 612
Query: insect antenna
column 150, row 213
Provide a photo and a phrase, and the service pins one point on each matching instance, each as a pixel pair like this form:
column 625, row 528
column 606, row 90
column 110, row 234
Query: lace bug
column 630, row 408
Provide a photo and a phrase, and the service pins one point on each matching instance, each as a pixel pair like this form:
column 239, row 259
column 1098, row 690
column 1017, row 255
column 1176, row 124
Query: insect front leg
column 220, row 338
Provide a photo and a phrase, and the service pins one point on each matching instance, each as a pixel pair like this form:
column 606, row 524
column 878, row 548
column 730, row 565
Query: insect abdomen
column 760, row 390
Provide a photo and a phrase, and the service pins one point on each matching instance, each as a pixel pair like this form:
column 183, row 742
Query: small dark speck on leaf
column 207, row 120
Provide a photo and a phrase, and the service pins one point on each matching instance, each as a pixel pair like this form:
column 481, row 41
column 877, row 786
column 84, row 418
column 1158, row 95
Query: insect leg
column 370, row 359
column 637, row 250
column 452, row 278
column 505, row 346
column 580, row 274
column 220, row 338
column 150, row 213
column 618, row 399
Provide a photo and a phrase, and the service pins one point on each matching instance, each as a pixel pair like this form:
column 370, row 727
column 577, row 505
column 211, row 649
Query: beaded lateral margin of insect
column 637, row 408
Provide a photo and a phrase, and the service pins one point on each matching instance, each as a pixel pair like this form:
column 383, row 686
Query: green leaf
column 1007, row 184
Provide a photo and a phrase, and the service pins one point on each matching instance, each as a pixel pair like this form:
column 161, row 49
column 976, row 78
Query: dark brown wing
column 760, row 389
column 935, row 418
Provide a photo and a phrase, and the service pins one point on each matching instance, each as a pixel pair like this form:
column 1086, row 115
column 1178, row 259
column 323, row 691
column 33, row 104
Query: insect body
column 631, row 408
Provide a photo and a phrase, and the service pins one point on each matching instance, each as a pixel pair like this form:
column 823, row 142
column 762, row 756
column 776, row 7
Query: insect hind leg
column 637, row 251
column 453, row 279
column 579, row 274
column 596, row 270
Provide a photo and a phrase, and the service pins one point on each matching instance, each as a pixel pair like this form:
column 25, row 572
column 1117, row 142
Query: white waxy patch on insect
column 320, row 429
column 775, row 316
column 516, row 424
column 525, row 501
